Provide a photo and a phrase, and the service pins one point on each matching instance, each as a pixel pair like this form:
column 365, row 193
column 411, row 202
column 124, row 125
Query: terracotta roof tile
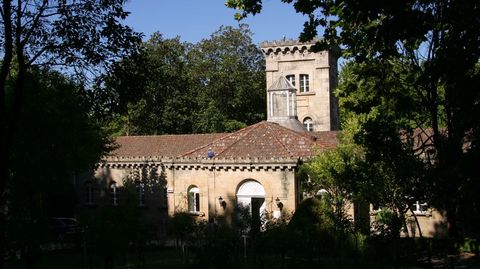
column 265, row 140
column 160, row 145
column 261, row 140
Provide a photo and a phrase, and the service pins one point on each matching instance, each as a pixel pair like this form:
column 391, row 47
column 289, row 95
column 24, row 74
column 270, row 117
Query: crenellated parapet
column 287, row 47
column 181, row 163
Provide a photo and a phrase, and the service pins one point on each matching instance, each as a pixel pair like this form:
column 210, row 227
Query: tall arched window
column 304, row 83
column 251, row 197
column 194, row 199
column 308, row 124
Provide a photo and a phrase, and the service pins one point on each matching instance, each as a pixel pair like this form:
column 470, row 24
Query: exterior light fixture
column 279, row 203
column 222, row 202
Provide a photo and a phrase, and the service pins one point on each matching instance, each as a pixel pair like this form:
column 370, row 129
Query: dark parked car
column 64, row 228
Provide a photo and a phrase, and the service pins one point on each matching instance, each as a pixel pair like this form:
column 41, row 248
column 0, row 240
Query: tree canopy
column 78, row 37
column 417, row 72
column 174, row 87
column 55, row 141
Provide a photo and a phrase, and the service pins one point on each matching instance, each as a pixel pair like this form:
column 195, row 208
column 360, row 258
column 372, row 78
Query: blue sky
column 194, row 20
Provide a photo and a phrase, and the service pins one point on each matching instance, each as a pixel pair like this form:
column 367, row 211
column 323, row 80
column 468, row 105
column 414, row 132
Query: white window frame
column 114, row 193
column 291, row 79
column 308, row 124
column 193, row 200
column 304, row 83
column 417, row 208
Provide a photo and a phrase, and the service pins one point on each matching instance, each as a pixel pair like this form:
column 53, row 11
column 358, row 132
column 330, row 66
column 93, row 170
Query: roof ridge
column 203, row 146
column 223, row 137
column 283, row 145
column 133, row 136
column 252, row 127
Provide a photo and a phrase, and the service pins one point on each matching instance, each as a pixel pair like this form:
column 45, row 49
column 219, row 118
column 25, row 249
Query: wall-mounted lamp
column 222, row 202
column 279, row 204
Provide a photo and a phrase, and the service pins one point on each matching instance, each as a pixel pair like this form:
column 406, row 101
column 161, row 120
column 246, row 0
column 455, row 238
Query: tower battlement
column 286, row 46
column 312, row 74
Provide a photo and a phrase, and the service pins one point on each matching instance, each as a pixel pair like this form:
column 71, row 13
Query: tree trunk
column 4, row 145
column 452, row 220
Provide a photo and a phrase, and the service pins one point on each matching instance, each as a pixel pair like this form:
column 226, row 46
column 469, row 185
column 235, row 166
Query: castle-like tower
column 314, row 77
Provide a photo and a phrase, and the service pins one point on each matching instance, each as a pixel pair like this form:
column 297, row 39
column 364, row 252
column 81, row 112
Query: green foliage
column 114, row 231
column 231, row 71
column 468, row 245
column 182, row 225
column 173, row 87
column 377, row 97
column 55, row 140
column 312, row 223
column 416, row 67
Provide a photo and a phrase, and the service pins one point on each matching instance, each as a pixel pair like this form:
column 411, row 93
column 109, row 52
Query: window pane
column 291, row 78
column 197, row 202
column 194, row 199
column 304, row 83
column 308, row 124
column 113, row 193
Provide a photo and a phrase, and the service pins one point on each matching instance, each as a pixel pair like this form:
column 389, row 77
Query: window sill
column 200, row 214
column 305, row 93
column 422, row 213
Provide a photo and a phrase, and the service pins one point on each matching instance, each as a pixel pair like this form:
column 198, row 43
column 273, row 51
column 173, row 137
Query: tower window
column 194, row 199
column 308, row 124
column 291, row 79
column 304, row 83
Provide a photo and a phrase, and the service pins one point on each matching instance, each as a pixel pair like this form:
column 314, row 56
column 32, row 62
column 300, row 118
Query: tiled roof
column 261, row 140
column 266, row 140
column 329, row 139
column 160, row 145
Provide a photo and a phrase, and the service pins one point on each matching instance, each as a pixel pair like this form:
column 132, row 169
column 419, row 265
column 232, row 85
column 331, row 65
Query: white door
column 251, row 196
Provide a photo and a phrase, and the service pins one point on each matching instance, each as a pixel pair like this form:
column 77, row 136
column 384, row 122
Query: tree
column 229, row 77
column 73, row 35
column 55, row 139
column 439, row 45
column 173, row 87
column 149, row 92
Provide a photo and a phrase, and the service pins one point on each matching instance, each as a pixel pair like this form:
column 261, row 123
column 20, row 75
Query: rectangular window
column 141, row 194
column 420, row 208
column 165, row 197
column 114, row 193
column 291, row 79
column 194, row 202
column 304, row 83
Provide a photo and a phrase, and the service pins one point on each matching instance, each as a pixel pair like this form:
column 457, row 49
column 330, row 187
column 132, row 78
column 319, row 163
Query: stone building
column 211, row 176
column 312, row 74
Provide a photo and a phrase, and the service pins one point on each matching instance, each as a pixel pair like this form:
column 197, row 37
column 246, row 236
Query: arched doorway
column 251, row 197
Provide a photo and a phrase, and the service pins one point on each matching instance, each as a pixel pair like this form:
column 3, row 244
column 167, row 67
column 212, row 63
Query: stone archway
column 251, row 196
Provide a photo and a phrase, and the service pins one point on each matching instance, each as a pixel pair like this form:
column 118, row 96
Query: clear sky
column 194, row 20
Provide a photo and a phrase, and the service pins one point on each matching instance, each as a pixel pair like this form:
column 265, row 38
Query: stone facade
column 296, row 61
column 211, row 176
